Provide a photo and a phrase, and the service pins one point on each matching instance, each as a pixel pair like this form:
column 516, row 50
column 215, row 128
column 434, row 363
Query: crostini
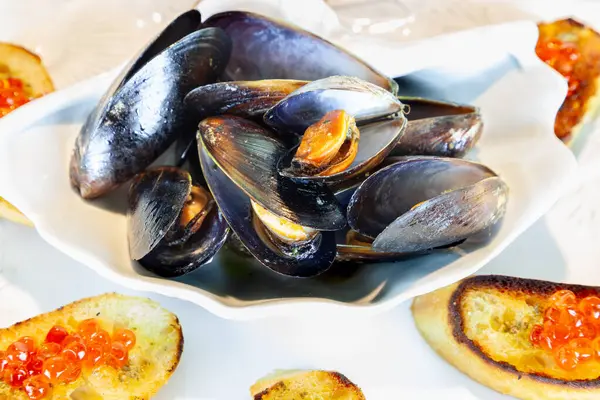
column 573, row 49
column 109, row 347
column 526, row 338
column 20, row 64
column 23, row 78
column 306, row 385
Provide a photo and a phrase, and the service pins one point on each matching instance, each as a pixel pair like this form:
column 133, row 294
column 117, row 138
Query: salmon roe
column 35, row 368
column 562, row 57
column 12, row 95
column 570, row 329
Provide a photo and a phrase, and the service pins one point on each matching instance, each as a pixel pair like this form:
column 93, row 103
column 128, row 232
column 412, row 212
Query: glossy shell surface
column 142, row 115
column 264, row 48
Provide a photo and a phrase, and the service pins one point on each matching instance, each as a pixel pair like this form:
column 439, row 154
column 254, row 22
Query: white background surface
column 384, row 354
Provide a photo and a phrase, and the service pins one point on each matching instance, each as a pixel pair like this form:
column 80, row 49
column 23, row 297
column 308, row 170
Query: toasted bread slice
column 306, row 385
column 18, row 62
column 11, row 213
column 583, row 103
column 156, row 354
column 482, row 324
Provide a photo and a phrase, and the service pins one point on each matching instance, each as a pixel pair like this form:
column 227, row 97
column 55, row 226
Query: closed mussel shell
column 248, row 99
column 438, row 128
column 420, row 203
column 360, row 249
column 142, row 114
column 264, row 48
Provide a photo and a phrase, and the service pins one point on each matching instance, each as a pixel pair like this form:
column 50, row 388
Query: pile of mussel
column 290, row 145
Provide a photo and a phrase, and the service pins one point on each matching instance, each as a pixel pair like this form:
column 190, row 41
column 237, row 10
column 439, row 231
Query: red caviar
column 562, row 57
column 12, row 95
column 56, row 334
column 570, row 329
column 36, row 387
column 34, row 368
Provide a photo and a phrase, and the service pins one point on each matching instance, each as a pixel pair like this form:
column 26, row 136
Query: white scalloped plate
column 518, row 96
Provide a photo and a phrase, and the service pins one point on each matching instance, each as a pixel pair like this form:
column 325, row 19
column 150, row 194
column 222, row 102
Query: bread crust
column 27, row 66
column 11, row 213
column 439, row 319
column 299, row 385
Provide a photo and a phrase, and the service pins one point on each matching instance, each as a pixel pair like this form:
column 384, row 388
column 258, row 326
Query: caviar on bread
column 109, row 347
column 526, row 338
column 573, row 49
column 22, row 79
column 306, row 385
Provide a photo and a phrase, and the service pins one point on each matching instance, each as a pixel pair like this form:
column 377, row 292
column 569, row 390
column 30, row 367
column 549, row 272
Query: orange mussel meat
column 329, row 146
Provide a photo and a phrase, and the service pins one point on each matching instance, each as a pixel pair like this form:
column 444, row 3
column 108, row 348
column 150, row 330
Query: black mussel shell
column 421, row 203
column 156, row 200
column 343, row 187
column 149, row 217
column 235, row 206
column 264, row 48
column 139, row 118
column 438, row 128
column 363, row 100
column 248, row 99
column 376, row 141
column 187, row 151
column 368, row 254
column 362, row 251
column 249, row 154
column 179, row 28
column 355, row 252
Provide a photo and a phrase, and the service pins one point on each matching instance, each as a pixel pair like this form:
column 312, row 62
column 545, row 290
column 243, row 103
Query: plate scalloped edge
column 22, row 118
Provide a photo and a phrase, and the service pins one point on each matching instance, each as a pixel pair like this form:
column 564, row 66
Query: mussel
column 174, row 226
column 248, row 99
column 287, row 225
column 365, row 101
column 437, row 128
column 264, row 48
column 291, row 154
column 346, row 127
column 327, row 147
column 142, row 113
column 420, row 203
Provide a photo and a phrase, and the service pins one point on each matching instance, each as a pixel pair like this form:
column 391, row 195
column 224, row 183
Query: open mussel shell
column 235, row 205
column 377, row 140
column 142, row 114
column 365, row 101
column 249, row 154
column 421, row 203
column 157, row 238
column 437, row 128
column 264, row 48
column 248, row 99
